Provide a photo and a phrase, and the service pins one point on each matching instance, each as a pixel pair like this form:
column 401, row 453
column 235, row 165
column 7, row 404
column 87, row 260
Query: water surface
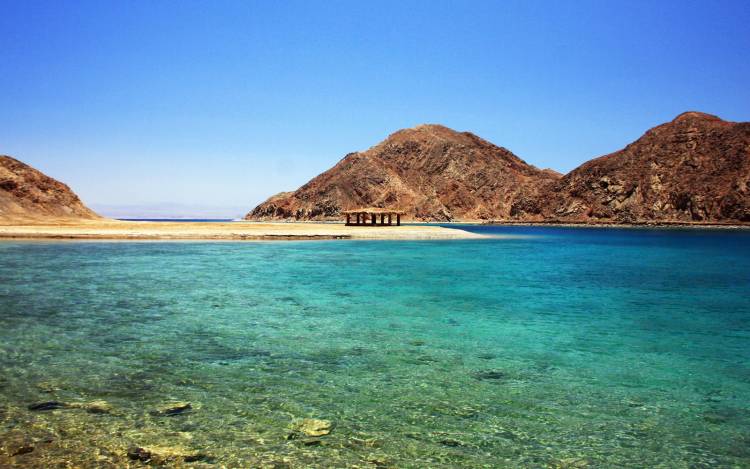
column 563, row 347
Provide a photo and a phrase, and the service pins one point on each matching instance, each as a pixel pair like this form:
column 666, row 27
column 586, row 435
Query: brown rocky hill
column 695, row 168
column 28, row 195
column 430, row 171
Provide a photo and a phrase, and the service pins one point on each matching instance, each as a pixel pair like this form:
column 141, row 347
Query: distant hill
column 28, row 195
column 430, row 171
column 695, row 168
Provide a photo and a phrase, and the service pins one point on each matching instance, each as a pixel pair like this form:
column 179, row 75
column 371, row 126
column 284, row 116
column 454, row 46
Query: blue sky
column 221, row 104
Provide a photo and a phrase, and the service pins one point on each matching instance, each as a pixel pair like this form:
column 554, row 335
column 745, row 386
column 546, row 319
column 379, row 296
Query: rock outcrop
column 28, row 195
column 695, row 168
column 430, row 171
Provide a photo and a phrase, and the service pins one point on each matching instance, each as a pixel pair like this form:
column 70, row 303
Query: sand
column 141, row 230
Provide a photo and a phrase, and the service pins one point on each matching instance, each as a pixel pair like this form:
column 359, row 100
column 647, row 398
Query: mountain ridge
column 695, row 167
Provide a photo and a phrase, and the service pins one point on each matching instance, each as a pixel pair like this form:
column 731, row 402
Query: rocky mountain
column 695, row 168
column 28, row 195
column 430, row 171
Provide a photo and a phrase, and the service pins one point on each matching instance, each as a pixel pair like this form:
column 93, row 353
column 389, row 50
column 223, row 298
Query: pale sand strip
column 136, row 230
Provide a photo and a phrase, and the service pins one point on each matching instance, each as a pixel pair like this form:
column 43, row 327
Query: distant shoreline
column 581, row 224
column 176, row 230
column 661, row 224
column 239, row 231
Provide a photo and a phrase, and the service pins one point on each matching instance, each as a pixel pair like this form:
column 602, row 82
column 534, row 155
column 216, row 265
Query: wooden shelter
column 369, row 216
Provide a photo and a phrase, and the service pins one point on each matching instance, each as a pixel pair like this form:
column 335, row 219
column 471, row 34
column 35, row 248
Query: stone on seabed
column 314, row 427
column 48, row 405
column 172, row 408
column 98, row 407
column 163, row 454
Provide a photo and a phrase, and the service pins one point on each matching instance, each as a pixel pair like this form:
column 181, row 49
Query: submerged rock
column 451, row 442
column 422, row 359
column 491, row 375
column 716, row 417
column 315, row 427
column 22, row 449
column 164, row 454
column 98, row 407
column 18, row 446
column 310, row 428
column 47, row 405
column 139, row 454
column 93, row 407
column 172, row 408
column 379, row 461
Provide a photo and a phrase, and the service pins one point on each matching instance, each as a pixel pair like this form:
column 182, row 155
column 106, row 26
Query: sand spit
column 141, row 230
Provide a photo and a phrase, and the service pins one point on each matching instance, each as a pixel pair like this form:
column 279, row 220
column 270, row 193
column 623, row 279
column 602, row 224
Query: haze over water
column 557, row 347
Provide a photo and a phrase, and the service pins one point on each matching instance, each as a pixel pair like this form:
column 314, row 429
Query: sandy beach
column 141, row 230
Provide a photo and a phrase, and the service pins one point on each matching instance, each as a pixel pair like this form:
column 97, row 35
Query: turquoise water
column 558, row 348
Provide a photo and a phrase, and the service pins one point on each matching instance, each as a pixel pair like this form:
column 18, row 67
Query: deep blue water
column 557, row 347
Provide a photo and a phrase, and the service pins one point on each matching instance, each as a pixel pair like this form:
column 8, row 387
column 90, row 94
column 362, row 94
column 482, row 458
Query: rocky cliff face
column 695, row 168
column 430, row 171
column 28, row 195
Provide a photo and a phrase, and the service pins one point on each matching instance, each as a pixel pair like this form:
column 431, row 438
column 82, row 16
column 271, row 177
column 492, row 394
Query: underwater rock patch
column 93, row 407
column 47, row 405
column 98, row 407
column 716, row 417
column 160, row 455
column 725, row 414
column 139, row 454
column 491, row 375
column 451, row 443
column 172, row 408
column 422, row 359
column 378, row 461
column 18, row 447
column 363, row 443
column 311, row 427
column 23, row 449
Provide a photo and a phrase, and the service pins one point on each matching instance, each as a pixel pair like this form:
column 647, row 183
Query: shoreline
column 132, row 230
column 229, row 231
column 571, row 224
column 643, row 224
column 661, row 224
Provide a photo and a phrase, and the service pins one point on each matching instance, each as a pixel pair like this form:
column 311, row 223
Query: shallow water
column 559, row 348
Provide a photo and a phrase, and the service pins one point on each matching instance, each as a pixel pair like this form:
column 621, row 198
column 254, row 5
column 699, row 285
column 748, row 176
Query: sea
column 541, row 347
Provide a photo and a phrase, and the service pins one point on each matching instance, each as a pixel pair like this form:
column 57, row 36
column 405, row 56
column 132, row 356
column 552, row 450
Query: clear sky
column 221, row 104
